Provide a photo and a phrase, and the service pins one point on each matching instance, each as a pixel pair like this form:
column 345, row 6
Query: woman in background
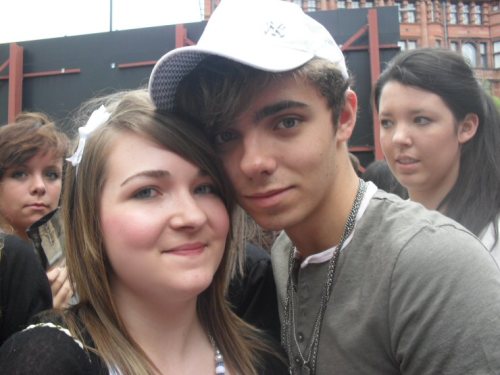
column 32, row 152
column 440, row 133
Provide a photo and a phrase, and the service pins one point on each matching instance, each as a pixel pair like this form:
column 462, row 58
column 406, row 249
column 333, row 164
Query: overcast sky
column 40, row 19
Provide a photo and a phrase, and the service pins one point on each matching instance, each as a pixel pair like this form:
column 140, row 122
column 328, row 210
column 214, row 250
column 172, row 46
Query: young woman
column 150, row 248
column 440, row 133
column 32, row 152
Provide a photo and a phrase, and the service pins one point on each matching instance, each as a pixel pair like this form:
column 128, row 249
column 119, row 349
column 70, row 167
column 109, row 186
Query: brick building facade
column 471, row 27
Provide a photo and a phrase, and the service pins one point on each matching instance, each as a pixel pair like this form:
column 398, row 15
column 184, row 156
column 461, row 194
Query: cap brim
column 176, row 64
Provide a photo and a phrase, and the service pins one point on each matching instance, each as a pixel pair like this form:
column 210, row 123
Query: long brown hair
column 89, row 267
column 474, row 199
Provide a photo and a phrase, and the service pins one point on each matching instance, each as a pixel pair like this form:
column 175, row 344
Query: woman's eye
column 422, row 120
column 18, row 174
column 145, row 193
column 288, row 123
column 385, row 123
column 224, row 137
column 206, row 189
column 53, row 175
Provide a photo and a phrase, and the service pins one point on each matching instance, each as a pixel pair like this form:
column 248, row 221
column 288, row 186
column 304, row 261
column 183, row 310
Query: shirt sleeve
column 444, row 305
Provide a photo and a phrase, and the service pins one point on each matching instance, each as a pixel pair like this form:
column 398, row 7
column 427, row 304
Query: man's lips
column 266, row 198
column 265, row 194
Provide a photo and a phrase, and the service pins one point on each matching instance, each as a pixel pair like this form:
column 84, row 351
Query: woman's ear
column 467, row 128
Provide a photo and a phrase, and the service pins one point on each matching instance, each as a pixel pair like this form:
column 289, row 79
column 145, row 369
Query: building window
column 453, row 14
column 407, row 44
column 340, row 4
column 368, row 4
column 496, row 54
column 407, row 11
column 354, row 4
column 311, row 5
column 469, row 52
column 400, row 12
column 410, row 12
column 465, row 14
column 437, row 43
column 476, row 53
column 477, row 15
column 483, row 57
column 431, row 12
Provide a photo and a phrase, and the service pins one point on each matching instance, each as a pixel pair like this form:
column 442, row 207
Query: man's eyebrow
column 274, row 108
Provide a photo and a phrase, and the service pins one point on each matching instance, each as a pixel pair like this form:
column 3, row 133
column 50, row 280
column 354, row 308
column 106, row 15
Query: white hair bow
column 96, row 119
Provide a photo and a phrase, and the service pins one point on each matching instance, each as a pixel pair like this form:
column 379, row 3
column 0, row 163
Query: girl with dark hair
column 440, row 133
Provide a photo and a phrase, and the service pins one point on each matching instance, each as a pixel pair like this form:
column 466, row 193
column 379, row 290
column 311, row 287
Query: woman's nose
column 37, row 185
column 187, row 213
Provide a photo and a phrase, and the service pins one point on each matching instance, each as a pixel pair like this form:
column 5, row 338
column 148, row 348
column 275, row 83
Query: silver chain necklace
column 308, row 359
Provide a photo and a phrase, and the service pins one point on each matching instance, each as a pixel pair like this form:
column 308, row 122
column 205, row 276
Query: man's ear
column 467, row 128
column 347, row 118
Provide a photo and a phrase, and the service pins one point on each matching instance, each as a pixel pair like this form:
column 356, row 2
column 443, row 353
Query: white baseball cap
column 270, row 35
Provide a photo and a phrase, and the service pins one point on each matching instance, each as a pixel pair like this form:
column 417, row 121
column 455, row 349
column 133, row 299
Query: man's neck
column 325, row 226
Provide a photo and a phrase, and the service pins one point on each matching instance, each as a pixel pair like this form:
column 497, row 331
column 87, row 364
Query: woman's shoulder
column 490, row 237
column 46, row 348
column 14, row 246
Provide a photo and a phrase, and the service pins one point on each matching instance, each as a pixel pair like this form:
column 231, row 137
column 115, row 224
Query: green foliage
column 496, row 99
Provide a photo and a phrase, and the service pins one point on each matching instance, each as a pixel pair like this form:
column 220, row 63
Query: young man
column 367, row 283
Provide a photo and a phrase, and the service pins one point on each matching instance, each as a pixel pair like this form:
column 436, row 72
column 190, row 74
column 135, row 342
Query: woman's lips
column 187, row 249
column 37, row 206
column 406, row 164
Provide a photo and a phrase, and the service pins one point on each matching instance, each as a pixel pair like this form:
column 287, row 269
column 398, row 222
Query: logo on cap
column 275, row 30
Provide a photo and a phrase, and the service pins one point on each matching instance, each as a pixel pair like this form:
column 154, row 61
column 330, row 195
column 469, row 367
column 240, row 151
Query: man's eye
column 224, row 137
column 288, row 123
